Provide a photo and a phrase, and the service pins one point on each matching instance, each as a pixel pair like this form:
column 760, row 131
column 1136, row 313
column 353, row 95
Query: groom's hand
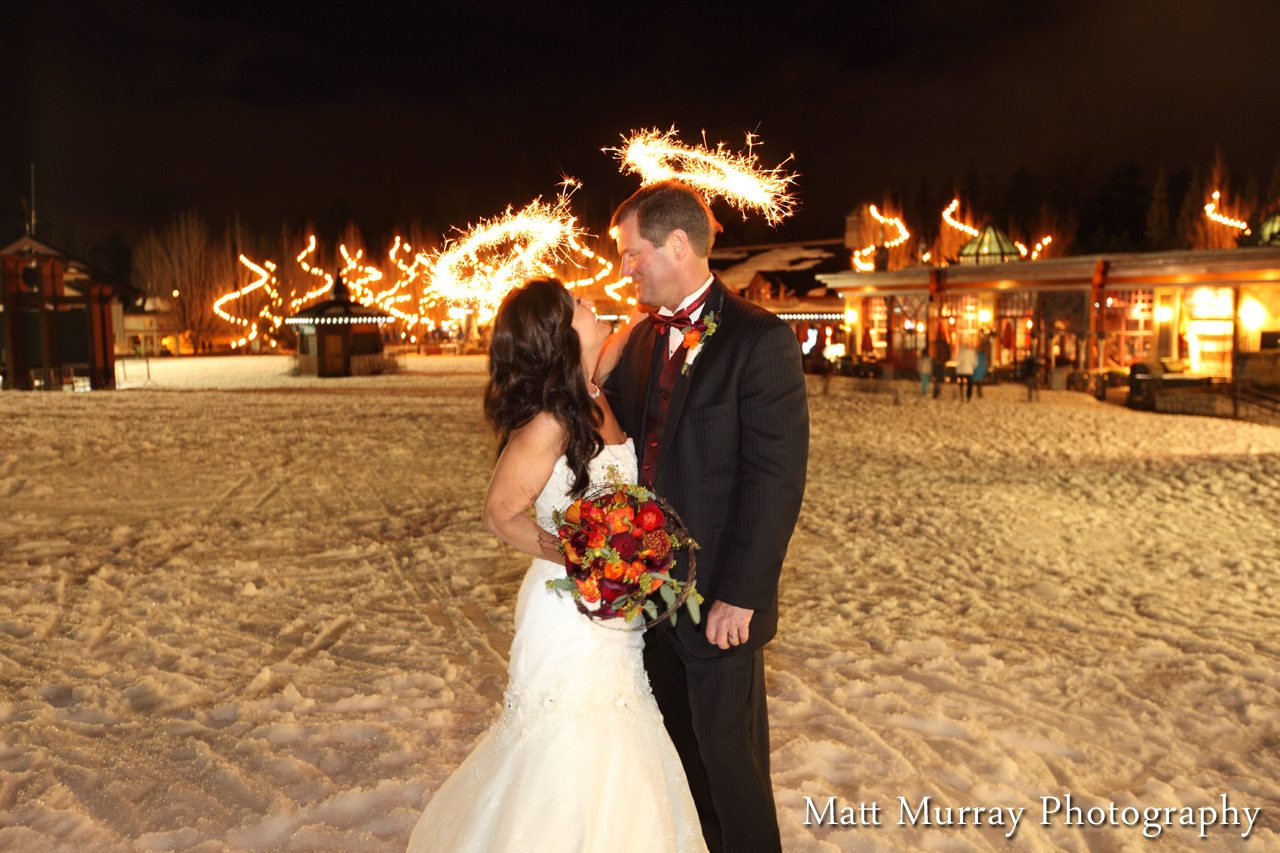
column 728, row 625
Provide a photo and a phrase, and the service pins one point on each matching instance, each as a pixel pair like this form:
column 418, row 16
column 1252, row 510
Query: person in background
column 966, row 361
column 1031, row 375
column 924, row 366
column 941, row 355
column 980, row 369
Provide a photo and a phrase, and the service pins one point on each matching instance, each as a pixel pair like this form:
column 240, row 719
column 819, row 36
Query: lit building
column 784, row 278
column 1218, row 312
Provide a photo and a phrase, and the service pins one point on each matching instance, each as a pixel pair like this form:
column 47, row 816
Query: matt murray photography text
column 925, row 813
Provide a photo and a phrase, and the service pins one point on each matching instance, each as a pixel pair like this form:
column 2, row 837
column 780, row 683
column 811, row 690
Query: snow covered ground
column 268, row 618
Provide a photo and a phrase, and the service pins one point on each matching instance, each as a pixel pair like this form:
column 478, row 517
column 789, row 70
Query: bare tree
column 180, row 266
column 149, row 271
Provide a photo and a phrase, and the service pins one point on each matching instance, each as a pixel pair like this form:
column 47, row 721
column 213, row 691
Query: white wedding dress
column 579, row 761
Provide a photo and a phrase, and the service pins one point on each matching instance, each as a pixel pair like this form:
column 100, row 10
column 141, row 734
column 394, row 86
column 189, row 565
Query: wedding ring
column 733, row 636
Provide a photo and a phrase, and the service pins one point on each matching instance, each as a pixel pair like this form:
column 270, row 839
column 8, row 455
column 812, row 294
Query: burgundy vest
column 659, row 398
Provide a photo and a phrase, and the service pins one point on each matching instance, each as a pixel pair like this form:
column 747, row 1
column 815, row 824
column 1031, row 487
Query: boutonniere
column 695, row 336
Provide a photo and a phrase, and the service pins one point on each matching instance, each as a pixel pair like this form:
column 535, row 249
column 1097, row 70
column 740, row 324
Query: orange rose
column 597, row 537
column 589, row 588
column 620, row 519
column 613, row 571
column 691, row 338
column 633, row 570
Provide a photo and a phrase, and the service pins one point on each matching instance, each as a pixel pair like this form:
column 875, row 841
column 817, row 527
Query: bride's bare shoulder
column 543, row 434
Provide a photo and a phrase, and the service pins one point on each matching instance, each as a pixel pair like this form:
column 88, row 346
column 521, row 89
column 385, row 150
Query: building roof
column 991, row 246
column 796, row 264
column 76, row 271
column 1134, row 269
column 338, row 309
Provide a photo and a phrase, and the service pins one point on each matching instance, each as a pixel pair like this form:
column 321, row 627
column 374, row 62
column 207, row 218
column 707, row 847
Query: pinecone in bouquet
column 620, row 544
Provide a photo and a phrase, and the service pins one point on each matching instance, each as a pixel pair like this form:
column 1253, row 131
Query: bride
column 579, row 760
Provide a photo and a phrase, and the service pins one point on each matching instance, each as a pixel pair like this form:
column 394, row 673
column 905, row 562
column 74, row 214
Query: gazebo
column 991, row 246
column 339, row 337
column 1269, row 233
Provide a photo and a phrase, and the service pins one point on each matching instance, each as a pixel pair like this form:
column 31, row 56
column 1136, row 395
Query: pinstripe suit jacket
column 734, row 452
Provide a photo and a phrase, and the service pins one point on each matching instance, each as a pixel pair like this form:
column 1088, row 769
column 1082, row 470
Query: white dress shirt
column 676, row 336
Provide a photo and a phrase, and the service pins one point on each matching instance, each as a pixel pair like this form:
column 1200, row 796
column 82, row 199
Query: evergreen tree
column 1271, row 202
column 1160, row 236
column 1192, row 211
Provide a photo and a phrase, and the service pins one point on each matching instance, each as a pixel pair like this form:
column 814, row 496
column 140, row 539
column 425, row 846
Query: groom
column 722, row 429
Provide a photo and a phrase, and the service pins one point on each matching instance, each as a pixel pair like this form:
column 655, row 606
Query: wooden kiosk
column 340, row 337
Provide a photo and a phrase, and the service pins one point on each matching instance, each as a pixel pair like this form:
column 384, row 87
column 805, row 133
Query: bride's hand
column 611, row 352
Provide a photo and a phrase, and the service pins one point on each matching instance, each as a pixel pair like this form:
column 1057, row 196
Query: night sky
column 445, row 113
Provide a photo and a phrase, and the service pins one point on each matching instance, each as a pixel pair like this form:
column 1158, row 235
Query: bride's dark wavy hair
column 535, row 365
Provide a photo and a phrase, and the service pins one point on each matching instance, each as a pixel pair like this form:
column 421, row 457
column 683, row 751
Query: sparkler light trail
column 737, row 178
column 490, row 258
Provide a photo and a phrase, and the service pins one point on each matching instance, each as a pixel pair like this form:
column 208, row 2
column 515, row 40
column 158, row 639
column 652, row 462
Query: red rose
column 626, row 546
column 650, row 517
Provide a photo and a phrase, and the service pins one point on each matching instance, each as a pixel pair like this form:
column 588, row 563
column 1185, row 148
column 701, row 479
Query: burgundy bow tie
column 679, row 320
column 682, row 319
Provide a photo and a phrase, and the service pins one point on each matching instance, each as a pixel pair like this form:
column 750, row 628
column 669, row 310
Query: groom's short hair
column 663, row 207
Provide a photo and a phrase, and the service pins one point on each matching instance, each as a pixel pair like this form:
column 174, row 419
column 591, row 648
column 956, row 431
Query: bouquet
column 619, row 545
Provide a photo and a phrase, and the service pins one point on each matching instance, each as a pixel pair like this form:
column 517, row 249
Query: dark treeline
column 1129, row 208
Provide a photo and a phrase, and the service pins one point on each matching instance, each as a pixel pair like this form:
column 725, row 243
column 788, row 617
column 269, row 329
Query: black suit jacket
column 734, row 452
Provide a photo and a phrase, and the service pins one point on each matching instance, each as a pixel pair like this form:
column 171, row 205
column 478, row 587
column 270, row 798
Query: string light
column 903, row 234
column 265, row 281
column 737, row 178
column 1035, row 253
column 955, row 223
column 859, row 255
column 1210, row 210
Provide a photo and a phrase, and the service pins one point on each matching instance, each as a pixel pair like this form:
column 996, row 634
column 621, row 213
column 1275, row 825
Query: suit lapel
column 715, row 304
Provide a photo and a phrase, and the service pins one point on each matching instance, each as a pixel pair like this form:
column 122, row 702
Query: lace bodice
column 615, row 463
